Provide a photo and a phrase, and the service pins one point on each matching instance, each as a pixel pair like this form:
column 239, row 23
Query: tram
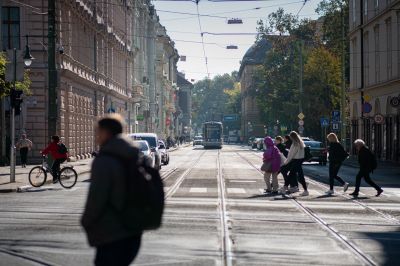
column 212, row 135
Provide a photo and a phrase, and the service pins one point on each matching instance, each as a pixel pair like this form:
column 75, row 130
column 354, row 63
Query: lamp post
column 15, row 101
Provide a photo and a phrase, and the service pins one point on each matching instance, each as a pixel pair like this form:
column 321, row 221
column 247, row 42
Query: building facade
column 106, row 63
column 185, row 105
column 375, row 75
column 251, row 124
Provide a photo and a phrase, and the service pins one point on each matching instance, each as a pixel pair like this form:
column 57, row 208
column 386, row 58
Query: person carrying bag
column 271, row 165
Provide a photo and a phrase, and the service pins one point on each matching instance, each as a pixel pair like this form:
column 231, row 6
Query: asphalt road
column 216, row 214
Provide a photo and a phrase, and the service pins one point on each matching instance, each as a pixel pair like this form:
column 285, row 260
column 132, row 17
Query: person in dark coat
column 337, row 155
column 288, row 142
column 365, row 157
column 102, row 221
column 281, row 147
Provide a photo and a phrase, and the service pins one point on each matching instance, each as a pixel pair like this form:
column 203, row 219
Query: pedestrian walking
column 293, row 164
column 288, row 142
column 281, row 146
column 102, row 219
column 367, row 162
column 337, row 155
column 59, row 154
column 271, row 165
column 24, row 145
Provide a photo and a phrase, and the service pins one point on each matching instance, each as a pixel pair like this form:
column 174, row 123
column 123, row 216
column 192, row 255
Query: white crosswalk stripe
column 198, row 190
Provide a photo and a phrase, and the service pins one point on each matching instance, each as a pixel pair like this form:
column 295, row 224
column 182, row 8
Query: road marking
column 242, row 181
column 198, row 190
column 236, row 190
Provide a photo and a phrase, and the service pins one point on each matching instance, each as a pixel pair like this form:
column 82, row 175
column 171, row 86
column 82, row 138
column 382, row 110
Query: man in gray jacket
column 115, row 244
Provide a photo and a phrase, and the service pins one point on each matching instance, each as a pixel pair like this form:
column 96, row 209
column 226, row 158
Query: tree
column 5, row 86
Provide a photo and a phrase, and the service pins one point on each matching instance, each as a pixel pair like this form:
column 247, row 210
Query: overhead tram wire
column 301, row 8
column 202, row 38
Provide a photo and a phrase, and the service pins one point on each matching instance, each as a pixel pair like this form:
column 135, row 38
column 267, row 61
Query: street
column 216, row 214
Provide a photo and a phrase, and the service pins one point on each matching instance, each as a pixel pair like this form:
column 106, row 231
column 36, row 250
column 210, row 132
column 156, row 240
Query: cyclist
column 59, row 153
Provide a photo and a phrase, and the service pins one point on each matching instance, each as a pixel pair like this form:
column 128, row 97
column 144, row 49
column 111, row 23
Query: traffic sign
column 335, row 126
column 336, row 115
column 230, row 118
column 367, row 108
column 324, row 122
column 111, row 110
column 301, row 122
column 301, row 116
column 395, row 102
column 379, row 119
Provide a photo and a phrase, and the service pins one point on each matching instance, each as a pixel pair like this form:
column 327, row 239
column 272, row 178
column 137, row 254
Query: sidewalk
column 21, row 175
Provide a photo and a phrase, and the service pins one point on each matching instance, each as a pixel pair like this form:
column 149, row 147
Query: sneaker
column 345, row 187
column 284, row 190
column 294, row 189
column 329, row 192
column 267, row 191
column 379, row 193
column 354, row 194
column 305, row 193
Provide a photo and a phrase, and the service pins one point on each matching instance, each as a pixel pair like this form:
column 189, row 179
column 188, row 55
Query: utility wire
column 202, row 37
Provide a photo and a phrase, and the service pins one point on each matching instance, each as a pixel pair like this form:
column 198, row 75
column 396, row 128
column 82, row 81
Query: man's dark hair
column 111, row 123
column 55, row 138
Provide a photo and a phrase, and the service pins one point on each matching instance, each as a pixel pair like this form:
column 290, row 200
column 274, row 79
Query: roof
column 255, row 55
column 181, row 81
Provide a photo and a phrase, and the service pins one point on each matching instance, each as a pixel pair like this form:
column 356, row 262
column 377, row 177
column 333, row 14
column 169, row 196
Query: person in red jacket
column 58, row 154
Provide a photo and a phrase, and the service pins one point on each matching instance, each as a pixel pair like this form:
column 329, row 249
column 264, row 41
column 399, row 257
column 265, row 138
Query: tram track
column 227, row 255
column 343, row 240
column 382, row 214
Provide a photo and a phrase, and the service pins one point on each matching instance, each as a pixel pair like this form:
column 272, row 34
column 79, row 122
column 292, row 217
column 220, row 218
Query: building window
column 377, row 54
column 376, row 6
column 354, row 11
column 10, row 27
column 389, row 47
column 354, row 70
column 366, row 58
column 366, row 8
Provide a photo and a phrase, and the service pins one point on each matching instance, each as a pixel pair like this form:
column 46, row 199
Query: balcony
column 137, row 91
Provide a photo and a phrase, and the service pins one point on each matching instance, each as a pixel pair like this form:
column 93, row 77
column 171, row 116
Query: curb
column 24, row 188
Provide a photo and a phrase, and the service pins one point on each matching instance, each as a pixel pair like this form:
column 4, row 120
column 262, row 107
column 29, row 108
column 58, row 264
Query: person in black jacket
column 288, row 142
column 105, row 229
column 365, row 158
column 281, row 147
column 337, row 155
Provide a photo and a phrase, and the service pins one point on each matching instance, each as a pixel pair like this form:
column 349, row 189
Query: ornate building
column 251, row 123
column 375, row 75
column 112, row 56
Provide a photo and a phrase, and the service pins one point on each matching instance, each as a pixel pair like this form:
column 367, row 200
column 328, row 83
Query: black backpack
column 144, row 203
column 62, row 149
column 373, row 162
column 307, row 154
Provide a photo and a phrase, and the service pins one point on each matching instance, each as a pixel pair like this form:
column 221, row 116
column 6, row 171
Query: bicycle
column 38, row 175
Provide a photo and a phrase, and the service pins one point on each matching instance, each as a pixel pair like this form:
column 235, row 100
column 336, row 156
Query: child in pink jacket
column 271, row 157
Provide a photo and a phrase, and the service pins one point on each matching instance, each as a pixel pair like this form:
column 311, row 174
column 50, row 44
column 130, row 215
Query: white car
column 144, row 148
column 152, row 140
column 164, row 152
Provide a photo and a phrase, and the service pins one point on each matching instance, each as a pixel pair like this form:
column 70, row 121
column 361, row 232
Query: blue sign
column 324, row 122
column 111, row 110
column 336, row 115
column 230, row 118
column 335, row 126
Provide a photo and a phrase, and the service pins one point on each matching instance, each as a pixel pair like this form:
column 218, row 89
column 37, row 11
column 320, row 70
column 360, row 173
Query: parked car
column 145, row 150
column 318, row 151
column 164, row 152
column 198, row 140
column 255, row 142
column 260, row 144
column 152, row 140
column 250, row 141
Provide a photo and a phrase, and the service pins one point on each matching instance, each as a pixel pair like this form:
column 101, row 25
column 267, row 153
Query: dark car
column 318, row 151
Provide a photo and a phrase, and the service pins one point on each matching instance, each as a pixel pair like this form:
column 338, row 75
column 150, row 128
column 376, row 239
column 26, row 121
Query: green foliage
column 277, row 80
column 210, row 99
column 5, row 86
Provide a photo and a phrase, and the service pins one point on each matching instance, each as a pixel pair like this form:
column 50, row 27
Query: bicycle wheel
column 68, row 177
column 37, row 176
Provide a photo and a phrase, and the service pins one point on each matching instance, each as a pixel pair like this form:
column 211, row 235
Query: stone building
column 375, row 75
column 185, row 105
column 107, row 57
column 251, row 123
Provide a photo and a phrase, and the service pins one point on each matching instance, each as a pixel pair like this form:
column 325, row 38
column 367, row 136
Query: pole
column 52, row 71
column 301, row 76
column 343, row 94
column 12, row 124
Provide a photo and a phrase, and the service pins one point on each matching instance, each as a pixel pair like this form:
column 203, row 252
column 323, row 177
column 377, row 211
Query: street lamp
column 27, row 56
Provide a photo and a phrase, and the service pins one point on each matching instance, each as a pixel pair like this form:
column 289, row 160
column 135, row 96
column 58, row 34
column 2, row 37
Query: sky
column 184, row 29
